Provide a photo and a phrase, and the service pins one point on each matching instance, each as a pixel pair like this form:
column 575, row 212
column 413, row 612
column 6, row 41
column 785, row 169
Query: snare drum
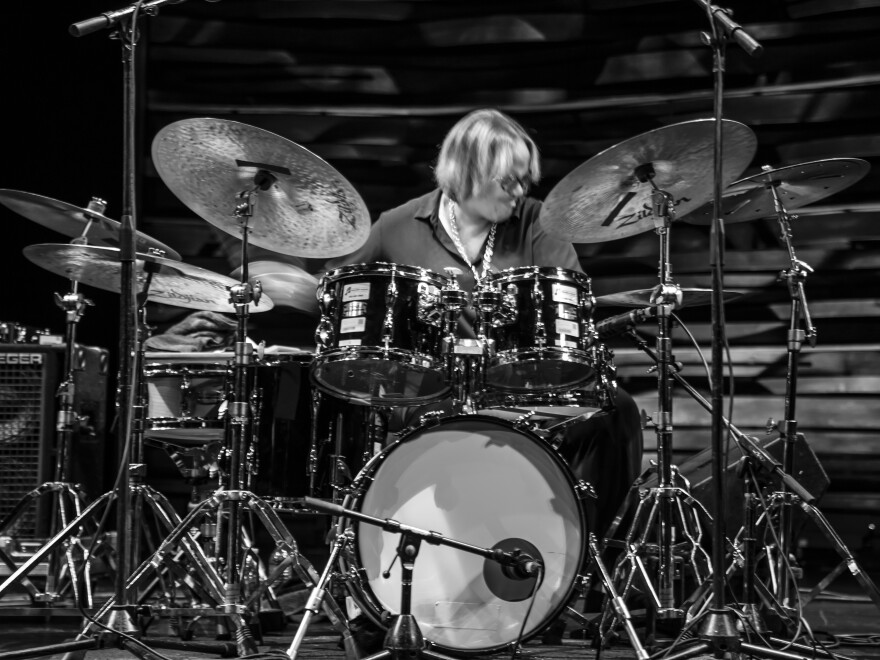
column 186, row 394
column 380, row 335
column 481, row 481
column 543, row 338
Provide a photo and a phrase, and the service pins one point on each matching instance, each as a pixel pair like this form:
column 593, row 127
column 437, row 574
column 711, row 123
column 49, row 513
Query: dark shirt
column 413, row 235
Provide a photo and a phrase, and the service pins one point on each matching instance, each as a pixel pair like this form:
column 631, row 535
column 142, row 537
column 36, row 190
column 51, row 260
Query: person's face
column 495, row 200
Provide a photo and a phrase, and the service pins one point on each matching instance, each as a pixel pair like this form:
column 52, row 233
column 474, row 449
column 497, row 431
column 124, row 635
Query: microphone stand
column 718, row 632
column 404, row 640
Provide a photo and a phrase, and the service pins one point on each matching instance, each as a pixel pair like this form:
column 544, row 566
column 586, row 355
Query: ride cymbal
column 642, row 297
column 797, row 185
column 287, row 285
column 304, row 206
column 173, row 282
column 609, row 196
column 72, row 221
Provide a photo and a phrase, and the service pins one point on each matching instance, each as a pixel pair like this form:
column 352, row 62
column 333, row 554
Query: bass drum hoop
column 352, row 565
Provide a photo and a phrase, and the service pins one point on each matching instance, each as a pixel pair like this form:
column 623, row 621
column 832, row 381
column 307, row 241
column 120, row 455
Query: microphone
column 522, row 566
column 617, row 325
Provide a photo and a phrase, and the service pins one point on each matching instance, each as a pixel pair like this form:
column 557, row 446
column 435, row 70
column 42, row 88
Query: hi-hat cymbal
column 608, row 197
column 173, row 282
column 72, row 221
column 797, row 185
column 309, row 210
column 286, row 284
column 642, row 297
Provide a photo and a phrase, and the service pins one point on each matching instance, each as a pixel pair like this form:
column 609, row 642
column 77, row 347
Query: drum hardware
column 404, row 636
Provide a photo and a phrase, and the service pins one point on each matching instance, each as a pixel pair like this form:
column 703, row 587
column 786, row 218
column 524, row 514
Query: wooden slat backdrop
column 372, row 86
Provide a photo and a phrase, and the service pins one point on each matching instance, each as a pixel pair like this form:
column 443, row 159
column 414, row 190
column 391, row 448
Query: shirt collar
column 428, row 208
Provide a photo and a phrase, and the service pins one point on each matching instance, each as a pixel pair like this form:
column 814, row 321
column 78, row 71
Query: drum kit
column 489, row 473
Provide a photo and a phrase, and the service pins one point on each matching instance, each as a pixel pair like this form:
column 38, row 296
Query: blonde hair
column 481, row 147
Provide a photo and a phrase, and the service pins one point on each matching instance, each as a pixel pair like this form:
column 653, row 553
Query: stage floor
column 843, row 619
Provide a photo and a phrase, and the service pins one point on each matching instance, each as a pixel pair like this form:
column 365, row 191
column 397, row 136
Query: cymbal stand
column 662, row 508
column 783, row 502
column 63, row 493
column 224, row 508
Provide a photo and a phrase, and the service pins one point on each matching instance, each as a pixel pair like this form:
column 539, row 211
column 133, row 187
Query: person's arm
column 548, row 250
column 369, row 252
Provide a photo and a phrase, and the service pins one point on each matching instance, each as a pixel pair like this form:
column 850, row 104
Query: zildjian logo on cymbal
column 632, row 218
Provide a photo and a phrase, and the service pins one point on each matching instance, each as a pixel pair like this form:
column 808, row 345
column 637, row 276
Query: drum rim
column 378, row 354
column 365, row 477
column 383, row 267
column 548, row 272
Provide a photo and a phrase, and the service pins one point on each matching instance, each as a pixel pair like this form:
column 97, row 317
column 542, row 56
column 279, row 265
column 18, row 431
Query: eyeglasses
column 509, row 183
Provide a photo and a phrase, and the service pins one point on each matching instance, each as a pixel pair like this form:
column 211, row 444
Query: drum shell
column 186, row 395
column 291, row 417
column 481, row 481
column 560, row 301
column 359, row 308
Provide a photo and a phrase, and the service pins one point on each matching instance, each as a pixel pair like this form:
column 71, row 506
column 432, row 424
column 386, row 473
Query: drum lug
column 431, row 418
column 584, row 489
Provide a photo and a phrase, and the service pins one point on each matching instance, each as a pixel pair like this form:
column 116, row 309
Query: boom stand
column 404, row 640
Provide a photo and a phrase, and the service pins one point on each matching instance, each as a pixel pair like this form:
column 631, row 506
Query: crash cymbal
column 173, row 283
column 605, row 198
column 642, row 297
column 286, row 284
column 309, row 210
column 72, row 221
column 797, row 185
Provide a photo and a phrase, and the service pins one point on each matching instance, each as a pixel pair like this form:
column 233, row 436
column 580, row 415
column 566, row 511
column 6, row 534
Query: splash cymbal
column 304, row 206
column 173, row 282
column 690, row 297
column 72, row 221
column 609, row 196
column 797, row 185
column 286, row 284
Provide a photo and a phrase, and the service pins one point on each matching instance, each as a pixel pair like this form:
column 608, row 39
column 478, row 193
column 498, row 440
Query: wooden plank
column 814, row 412
column 826, row 385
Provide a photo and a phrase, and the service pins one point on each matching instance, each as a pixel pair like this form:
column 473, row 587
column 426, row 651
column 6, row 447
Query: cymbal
column 286, row 284
column 798, row 185
column 604, row 198
column 642, row 297
column 309, row 210
column 72, row 220
column 173, row 283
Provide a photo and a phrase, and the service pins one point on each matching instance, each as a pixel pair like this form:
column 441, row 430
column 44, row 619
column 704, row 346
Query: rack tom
column 544, row 333
column 379, row 338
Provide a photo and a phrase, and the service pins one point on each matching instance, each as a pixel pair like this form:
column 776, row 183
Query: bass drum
column 477, row 480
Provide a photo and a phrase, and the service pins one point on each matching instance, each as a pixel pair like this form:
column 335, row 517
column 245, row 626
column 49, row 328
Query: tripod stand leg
column 315, row 601
column 848, row 560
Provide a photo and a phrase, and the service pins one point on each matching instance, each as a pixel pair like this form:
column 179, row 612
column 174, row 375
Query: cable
column 518, row 642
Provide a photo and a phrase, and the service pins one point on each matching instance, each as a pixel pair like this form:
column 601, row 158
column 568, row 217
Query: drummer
column 480, row 220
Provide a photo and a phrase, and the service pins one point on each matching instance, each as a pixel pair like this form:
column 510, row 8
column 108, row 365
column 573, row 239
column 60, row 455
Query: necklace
column 456, row 238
